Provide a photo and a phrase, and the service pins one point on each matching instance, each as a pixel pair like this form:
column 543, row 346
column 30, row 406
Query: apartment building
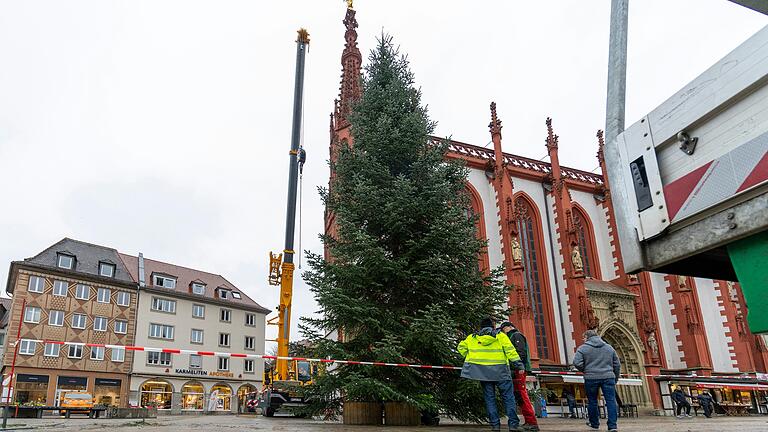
column 187, row 309
column 75, row 292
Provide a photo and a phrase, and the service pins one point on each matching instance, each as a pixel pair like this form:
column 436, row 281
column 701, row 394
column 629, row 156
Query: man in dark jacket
column 682, row 403
column 518, row 377
column 705, row 402
column 602, row 368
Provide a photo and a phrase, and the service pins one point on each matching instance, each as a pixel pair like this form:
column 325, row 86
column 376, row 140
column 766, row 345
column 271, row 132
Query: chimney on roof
column 142, row 282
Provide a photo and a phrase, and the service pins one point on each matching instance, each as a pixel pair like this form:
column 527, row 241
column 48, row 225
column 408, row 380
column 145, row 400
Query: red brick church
column 554, row 230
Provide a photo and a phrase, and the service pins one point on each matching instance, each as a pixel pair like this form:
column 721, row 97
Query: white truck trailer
column 690, row 179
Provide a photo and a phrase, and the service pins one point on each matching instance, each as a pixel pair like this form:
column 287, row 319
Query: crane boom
column 282, row 273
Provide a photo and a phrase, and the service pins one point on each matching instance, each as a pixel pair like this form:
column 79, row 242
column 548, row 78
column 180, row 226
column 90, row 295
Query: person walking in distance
column 571, row 400
column 705, row 402
column 602, row 368
column 682, row 404
column 518, row 379
column 487, row 356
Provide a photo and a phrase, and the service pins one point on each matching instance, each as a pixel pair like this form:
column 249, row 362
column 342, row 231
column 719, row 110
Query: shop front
column 555, row 385
column 736, row 396
column 38, row 386
column 190, row 395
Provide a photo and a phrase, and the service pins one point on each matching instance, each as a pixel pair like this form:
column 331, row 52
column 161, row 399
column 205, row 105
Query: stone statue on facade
column 517, row 251
column 578, row 264
column 654, row 346
column 682, row 283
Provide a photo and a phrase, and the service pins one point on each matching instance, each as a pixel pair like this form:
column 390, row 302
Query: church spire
column 351, row 62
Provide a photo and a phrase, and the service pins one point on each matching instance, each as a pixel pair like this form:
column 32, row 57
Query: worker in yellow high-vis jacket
column 487, row 356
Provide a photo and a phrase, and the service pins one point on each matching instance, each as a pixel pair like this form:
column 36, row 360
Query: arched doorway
column 628, row 349
column 192, row 396
column 242, row 396
column 156, row 393
column 223, row 397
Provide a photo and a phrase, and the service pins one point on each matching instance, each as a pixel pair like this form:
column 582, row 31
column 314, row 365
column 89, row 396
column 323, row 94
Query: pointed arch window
column 476, row 208
column 529, row 232
column 585, row 237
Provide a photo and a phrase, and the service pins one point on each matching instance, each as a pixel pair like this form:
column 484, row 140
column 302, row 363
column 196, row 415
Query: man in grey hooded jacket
column 602, row 368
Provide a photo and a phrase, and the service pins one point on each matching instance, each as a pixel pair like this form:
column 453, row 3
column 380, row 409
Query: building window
column 52, row 350
column 236, row 295
column 27, row 347
column 106, row 269
column 79, row 321
column 160, row 331
column 32, row 314
column 226, row 315
column 163, row 305
column 97, row 353
column 192, row 395
column 158, row 358
column 250, row 320
column 198, row 311
column 248, row 366
column 224, row 339
column 60, row 288
column 223, row 363
column 198, row 289
column 123, row 298
column 121, row 326
column 156, row 393
column 527, row 226
column 103, row 295
column 36, row 284
column 65, row 261
column 75, row 351
column 197, row 336
column 56, row 318
column 195, row 361
column 118, row 355
column 223, row 294
column 250, row 343
column 586, row 243
column 100, row 323
column 165, row 281
column 82, row 292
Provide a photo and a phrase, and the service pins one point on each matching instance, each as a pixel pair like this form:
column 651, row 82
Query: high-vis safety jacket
column 487, row 355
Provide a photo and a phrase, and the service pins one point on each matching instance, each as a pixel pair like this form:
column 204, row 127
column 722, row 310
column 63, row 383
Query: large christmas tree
column 403, row 283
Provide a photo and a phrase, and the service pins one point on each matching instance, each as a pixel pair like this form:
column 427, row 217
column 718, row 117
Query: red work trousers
column 525, row 404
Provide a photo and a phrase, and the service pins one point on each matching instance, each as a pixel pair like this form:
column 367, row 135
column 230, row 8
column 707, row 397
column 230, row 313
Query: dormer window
column 164, row 281
column 65, row 261
column 198, row 288
column 106, row 269
column 223, row 293
column 236, row 295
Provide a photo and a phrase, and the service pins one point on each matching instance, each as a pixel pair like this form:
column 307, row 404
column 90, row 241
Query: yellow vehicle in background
column 284, row 393
column 77, row 399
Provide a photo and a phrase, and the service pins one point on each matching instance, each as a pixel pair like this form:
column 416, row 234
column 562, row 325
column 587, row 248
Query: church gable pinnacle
column 351, row 62
column 495, row 125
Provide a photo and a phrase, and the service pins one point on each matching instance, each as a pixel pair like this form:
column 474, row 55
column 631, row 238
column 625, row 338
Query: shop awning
column 622, row 381
column 716, row 385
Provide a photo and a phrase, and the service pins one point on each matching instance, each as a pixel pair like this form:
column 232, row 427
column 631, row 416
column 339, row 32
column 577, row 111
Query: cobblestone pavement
column 258, row 423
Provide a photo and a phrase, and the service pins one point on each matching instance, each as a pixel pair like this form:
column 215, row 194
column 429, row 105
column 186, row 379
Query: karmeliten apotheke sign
column 204, row 373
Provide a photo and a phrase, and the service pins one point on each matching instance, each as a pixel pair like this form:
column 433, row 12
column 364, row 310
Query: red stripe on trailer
column 757, row 176
column 678, row 191
column 171, row 351
column 238, row 355
column 206, row 353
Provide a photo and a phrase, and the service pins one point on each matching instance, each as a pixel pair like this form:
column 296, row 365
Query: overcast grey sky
column 163, row 126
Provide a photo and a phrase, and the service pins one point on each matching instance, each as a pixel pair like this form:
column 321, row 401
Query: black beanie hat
column 486, row 322
column 507, row 324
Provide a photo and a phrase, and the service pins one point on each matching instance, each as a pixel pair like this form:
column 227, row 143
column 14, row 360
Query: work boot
column 529, row 428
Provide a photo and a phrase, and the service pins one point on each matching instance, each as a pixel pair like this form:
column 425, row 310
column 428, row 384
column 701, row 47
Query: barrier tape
column 349, row 362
